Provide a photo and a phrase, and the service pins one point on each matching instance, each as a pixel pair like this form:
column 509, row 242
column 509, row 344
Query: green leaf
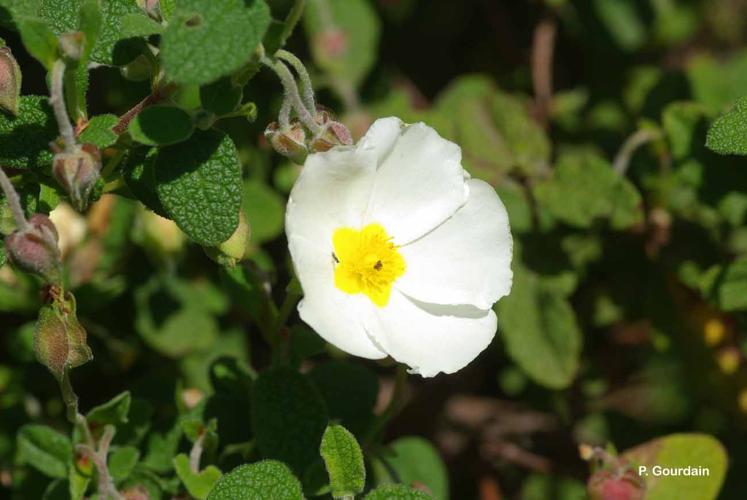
column 161, row 125
column 122, row 461
column 542, row 486
column 677, row 451
column 584, row 188
column 139, row 174
column 266, row 480
column 350, row 391
column 288, row 417
column 682, row 122
column 198, row 484
column 396, row 492
column 728, row 134
column 264, row 210
column 113, row 412
column 99, row 131
column 206, row 40
column 717, row 82
column 24, row 140
column 44, row 449
column 199, row 186
column 220, row 97
column 416, row 461
column 731, row 286
column 344, row 37
column 39, row 41
column 540, row 331
column 623, row 22
column 344, row 461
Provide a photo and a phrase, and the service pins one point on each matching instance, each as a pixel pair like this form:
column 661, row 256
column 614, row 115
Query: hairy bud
column 78, row 173
column 34, row 249
column 611, row 485
column 72, row 45
column 233, row 250
column 290, row 143
column 10, row 81
column 59, row 339
column 333, row 133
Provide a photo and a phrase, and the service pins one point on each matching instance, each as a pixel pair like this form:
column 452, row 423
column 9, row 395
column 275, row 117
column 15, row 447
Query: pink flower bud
column 10, row 81
column 34, row 249
column 290, row 143
column 331, row 44
column 613, row 485
column 333, row 133
column 59, row 339
column 78, row 173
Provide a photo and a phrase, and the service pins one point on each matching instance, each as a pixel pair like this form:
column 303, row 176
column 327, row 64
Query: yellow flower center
column 366, row 262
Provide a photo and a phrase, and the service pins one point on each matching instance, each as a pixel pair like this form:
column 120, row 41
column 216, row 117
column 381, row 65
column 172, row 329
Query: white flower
column 398, row 251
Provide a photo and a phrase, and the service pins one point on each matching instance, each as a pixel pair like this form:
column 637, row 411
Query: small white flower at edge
column 398, row 251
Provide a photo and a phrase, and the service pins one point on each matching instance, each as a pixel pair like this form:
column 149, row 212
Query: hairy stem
column 106, row 488
column 196, row 453
column 14, row 202
column 291, row 93
column 69, row 398
column 307, row 89
column 57, row 100
column 631, row 144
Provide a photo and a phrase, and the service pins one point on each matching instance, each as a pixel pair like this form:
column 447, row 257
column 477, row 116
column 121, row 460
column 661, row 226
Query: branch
column 57, row 100
column 543, row 47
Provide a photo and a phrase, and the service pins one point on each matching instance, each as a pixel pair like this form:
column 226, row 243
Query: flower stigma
column 366, row 261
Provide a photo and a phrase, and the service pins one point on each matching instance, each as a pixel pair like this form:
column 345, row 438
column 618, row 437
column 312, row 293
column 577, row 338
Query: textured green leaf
column 198, row 484
column 540, row 331
column 139, row 173
column 264, row 210
column 113, row 412
column 288, row 417
column 344, row 461
column 677, row 451
column 350, row 391
column 347, row 48
column 728, row 134
column 44, row 449
column 199, row 186
column 161, row 126
column 206, row 40
column 416, row 461
column 266, row 480
column 24, row 140
column 99, row 131
column 584, row 188
column 682, row 122
column 396, row 492
column 122, row 461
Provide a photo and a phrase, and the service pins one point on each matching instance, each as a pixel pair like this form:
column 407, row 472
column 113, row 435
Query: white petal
column 419, row 184
column 333, row 314
column 381, row 137
column 332, row 191
column 465, row 260
column 431, row 338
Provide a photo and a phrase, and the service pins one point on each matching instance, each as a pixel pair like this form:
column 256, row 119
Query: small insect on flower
column 420, row 252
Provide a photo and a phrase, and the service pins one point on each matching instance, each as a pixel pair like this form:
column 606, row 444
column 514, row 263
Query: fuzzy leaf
column 44, row 449
column 199, row 185
column 266, row 480
column 122, row 461
column 99, row 131
column 728, row 134
column 24, row 140
column 113, row 412
column 416, row 461
column 288, row 417
column 344, row 461
column 206, row 40
column 396, row 492
column 198, row 484
column 540, row 330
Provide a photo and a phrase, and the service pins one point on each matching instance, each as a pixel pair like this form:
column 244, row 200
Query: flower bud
column 59, row 339
column 290, row 143
column 330, row 45
column 609, row 485
column 78, row 172
column 151, row 7
column 231, row 251
column 10, row 81
column 333, row 133
column 72, row 44
column 34, row 249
